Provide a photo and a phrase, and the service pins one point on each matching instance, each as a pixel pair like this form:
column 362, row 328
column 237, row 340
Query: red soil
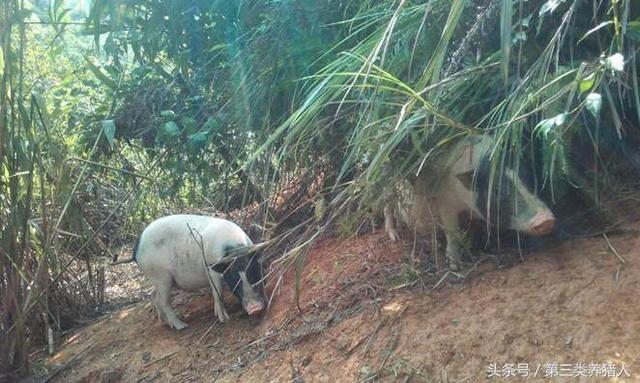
column 367, row 315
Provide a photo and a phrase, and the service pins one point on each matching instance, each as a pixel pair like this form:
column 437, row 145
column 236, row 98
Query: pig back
column 423, row 197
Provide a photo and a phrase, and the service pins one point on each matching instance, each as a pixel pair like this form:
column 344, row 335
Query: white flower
column 615, row 62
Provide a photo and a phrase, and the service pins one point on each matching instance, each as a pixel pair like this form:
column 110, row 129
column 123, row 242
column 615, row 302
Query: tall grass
column 311, row 110
column 51, row 227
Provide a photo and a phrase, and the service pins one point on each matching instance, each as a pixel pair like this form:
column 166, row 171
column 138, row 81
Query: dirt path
column 560, row 312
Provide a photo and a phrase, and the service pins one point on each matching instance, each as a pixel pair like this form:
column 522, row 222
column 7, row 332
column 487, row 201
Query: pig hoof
column 223, row 317
column 179, row 326
column 455, row 266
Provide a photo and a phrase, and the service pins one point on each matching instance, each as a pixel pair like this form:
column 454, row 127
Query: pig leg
column 390, row 224
column 155, row 306
column 452, row 232
column 162, row 295
column 154, row 298
column 219, row 309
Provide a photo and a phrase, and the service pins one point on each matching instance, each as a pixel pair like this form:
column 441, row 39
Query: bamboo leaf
column 432, row 72
column 505, row 37
column 94, row 17
column 548, row 125
column 100, row 75
column 587, row 83
column 549, row 6
column 636, row 88
column 633, row 30
column 599, row 26
column 171, row 129
column 109, row 130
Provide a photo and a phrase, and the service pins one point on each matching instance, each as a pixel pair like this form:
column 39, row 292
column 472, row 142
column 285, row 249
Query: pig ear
column 466, row 179
column 256, row 251
column 221, row 267
column 260, row 258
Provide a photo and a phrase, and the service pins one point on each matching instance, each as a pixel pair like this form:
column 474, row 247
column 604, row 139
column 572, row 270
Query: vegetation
column 303, row 114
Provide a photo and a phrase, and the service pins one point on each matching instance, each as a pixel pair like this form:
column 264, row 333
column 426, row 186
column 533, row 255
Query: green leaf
column 99, row 75
column 97, row 8
column 549, row 6
column 587, row 83
column 218, row 47
column 198, row 140
column 615, row 62
column 594, row 103
column 1, row 63
column 505, row 37
column 601, row 25
column 212, row 125
column 432, row 73
column 171, row 129
column 546, row 126
column 38, row 103
column 168, row 113
column 109, row 130
column 519, row 36
column 19, row 16
column 633, row 30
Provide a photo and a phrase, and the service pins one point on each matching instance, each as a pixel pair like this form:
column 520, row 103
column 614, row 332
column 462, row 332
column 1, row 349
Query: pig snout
column 255, row 308
column 542, row 223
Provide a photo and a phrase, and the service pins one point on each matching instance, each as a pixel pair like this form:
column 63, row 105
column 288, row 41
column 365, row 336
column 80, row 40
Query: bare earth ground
column 360, row 320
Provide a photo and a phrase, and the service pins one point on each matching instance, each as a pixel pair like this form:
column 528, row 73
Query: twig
column 367, row 337
column 149, row 378
column 620, row 258
column 69, row 159
column 275, row 289
column 266, row 337
column 444, row 276
column 214, row 289
column 285, row 323
column 207, row 332
column 121, row 261
column 69, row 363
column 79, row 252
column 387, row 321
column 161, row 358
column 214, row 344
column 181, row 371
column 408, row 284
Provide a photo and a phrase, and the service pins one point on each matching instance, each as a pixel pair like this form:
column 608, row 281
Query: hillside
column 365, row 317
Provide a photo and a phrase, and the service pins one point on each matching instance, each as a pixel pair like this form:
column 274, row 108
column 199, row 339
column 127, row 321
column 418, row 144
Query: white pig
column 465, row 185
column 195, row 252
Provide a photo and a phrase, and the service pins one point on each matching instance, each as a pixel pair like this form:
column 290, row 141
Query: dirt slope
column 361, row 321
